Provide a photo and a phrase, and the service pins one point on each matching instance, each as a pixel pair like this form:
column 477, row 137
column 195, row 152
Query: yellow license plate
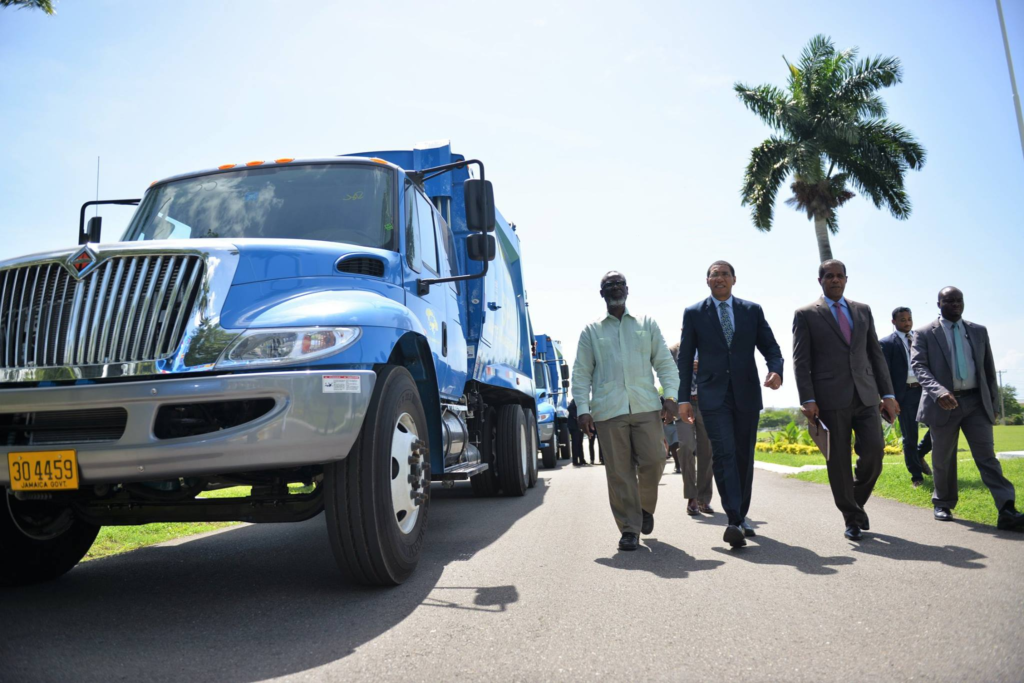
column 43, row 471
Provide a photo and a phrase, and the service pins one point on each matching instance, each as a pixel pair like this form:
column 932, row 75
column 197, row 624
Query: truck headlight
column 545, row 417
column 286, row 346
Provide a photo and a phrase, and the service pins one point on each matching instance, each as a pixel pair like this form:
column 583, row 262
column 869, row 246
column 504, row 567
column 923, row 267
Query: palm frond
column 869, row 75
column 768, row 167
column 895, row 138
column 767, row 101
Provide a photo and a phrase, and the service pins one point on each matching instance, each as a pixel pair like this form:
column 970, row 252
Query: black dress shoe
column 629, row 541
column 943, row 514
column 1010, row 519
column 924, row 467
column 734, row 536
column 853, row 532
column 866, row 526
column 647, row 526
column 748, row 530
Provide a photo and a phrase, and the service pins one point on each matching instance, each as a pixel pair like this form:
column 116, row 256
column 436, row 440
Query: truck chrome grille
column 128, row 309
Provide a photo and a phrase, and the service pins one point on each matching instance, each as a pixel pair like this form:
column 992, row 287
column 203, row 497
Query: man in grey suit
column 952, row 359
column 840, row 372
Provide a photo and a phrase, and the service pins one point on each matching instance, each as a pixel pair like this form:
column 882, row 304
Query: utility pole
column 1002, row 401
column 1013, row 79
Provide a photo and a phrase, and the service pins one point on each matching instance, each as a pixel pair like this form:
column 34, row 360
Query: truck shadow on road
column 246, row 605
column 661, row 559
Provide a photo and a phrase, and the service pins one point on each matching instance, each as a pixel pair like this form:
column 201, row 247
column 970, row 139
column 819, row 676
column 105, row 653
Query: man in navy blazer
column 726, row 330
column 907, row 390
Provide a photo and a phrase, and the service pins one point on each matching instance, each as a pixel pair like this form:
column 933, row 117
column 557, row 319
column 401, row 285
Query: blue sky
column 611, row 133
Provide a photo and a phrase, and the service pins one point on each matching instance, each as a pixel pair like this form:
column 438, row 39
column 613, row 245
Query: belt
column 913, row 385
column 965, row 392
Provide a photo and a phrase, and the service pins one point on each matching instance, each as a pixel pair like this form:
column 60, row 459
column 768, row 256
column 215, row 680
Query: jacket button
column 727, row 372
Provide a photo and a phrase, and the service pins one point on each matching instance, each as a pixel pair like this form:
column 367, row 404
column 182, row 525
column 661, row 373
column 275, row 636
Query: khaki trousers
column 634, row 460
column 695, row 452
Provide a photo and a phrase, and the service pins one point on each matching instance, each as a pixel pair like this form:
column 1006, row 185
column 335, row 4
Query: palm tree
column 831, row 133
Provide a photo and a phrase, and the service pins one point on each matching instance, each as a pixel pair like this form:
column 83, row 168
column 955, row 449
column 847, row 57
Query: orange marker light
column 152, row 183
column 284, row 161
column 253, row 163
column 379, row 161
column 226, row 166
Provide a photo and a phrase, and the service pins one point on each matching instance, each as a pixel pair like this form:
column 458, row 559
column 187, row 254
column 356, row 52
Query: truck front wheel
column 512, row 442
column 377, row 499
column 39, row 541
column 549, row 453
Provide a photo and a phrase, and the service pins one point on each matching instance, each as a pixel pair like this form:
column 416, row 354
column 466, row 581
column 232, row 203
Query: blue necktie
column 726, row 322
column 958, row 353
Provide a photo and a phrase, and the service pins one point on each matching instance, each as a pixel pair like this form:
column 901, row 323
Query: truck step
column 460, row 472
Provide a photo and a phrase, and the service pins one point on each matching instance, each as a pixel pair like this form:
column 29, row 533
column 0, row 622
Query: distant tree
column 45, row 5
column 1010, row 402
column 772, row 419
column 831, row 133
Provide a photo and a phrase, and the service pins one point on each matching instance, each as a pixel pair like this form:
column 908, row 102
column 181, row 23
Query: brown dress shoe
column 706, row 508
column 692, row 508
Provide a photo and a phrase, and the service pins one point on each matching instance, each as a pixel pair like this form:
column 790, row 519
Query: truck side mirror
column 92, row 231
column 479, row 196
column 480, row 247
column 565, row 384
column 565, row 371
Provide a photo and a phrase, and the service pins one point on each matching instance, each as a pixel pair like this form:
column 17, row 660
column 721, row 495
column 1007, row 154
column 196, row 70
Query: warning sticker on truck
column 342, row 384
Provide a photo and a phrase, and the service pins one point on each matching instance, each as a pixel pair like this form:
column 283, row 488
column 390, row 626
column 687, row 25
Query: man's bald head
column 951, row 303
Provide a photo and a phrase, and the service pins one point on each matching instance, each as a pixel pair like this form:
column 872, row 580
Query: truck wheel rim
column 40, row 527
column 524, row 447
column 405, row 485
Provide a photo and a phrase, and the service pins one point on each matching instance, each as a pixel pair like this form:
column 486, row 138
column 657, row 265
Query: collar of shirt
column 624, row 314
column 718, row 307
column 841, row 302
column 948, row 324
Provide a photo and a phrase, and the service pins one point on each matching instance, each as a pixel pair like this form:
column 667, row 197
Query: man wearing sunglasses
column 613, row 386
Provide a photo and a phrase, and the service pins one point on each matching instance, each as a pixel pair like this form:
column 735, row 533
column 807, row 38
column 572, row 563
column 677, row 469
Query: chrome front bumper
column 312, row 422
column 546, row 431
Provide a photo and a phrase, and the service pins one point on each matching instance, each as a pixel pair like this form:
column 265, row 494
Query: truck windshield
column 332, row 202
column 540, row 376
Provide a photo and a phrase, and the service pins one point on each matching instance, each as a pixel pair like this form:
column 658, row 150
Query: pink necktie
column 844, row 324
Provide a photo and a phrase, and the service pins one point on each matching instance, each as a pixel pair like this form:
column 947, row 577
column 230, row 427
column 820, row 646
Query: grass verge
column 114, row 540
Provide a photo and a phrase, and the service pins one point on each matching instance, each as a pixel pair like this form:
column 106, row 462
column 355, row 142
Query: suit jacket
column 720, row 363
column 931, row 358
column 895, row 354
column 830, row 371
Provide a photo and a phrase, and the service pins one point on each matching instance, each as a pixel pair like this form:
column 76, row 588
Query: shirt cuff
column 810, row 400
column 893, row 397
column 582, row 408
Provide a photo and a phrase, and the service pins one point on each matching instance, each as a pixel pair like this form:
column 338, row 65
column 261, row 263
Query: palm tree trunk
column 821, row 232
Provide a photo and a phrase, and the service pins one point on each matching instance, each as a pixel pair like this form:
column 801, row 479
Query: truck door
column 457, row 362
column 422, row 258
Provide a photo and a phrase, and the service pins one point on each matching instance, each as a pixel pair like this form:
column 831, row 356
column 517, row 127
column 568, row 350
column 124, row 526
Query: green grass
column 975, row 503
column 114, row 540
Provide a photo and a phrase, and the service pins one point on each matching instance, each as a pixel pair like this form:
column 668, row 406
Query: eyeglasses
column 613, row 283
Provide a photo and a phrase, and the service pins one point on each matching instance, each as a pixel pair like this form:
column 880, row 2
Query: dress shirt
column 718, row 310
column 693, row 384
column 843, row 306
column 971, row 382
column 616, row 361
column 911, row 377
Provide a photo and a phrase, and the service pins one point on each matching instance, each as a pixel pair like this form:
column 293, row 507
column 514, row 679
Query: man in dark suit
column 896, row 348
column 953, row 359
column 840, row 372
column 725, row 330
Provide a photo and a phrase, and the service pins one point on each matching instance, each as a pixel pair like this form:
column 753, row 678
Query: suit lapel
column 711, row 311
column 940, row 336
column 974, row 336
column 825, row 312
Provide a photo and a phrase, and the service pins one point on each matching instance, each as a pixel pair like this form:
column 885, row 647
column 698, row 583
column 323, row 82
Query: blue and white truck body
column 551, row 372
column 317, row 321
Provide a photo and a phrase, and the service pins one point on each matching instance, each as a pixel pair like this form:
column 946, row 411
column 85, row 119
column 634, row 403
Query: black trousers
column 852, row 486
column 733, row 435
column 576, row 438
column 908, row 428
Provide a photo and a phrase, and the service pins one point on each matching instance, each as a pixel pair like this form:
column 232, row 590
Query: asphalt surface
column 533, row 589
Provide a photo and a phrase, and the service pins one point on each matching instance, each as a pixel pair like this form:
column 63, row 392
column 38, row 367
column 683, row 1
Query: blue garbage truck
column 551, row 373
column 329, row 334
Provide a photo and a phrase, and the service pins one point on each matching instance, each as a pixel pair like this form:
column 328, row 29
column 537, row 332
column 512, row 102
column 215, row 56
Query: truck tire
column 485, row 484
column 40, row 541
column 564, row 442
column 549, row 454
column 531, row 436
column 378, row 498
column 512, row 442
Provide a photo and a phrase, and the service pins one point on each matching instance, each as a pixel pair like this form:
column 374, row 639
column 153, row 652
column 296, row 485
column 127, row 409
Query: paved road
column 534, row 589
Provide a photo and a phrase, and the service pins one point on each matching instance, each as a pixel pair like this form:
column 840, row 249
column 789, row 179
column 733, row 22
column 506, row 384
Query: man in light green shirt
column 613, row 386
